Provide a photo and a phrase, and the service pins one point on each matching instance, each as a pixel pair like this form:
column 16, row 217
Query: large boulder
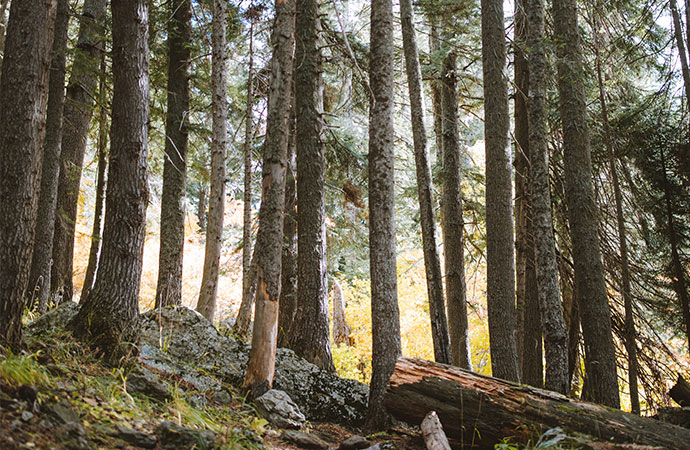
column 53, row 320
column 181, row 341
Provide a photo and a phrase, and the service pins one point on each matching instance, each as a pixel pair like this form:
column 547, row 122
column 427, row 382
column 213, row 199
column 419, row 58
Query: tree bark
column 201, row 207
column 386, row 346
column 248, row 144
column 436, row 86
column 109, row 316
column 529, row 328
column 548, row 289
column 481, row 411
column 23, row 96
column 312, row 332
column 341, row 329
column 97, row 229
column 600, row 358
column 169, row 286
column 453, row 222
column 432, row 431
column 81, row 92
column 39, row 279
column 214, row 229
column 678, row 34
column 3, row 29
column 432, row 262
column 629, row 332
column 500, row 255
column 244, row 315
column 261, row 366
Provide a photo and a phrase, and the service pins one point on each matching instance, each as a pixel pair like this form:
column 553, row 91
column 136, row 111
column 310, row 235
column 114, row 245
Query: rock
column 278, row 408
column 222, row 397
column 27, row 416
column 175, row 437
column 53, row 320
column 354, row 443
column 73, row 436
column 143, row 381
column 197, row 401
column 304, row 440
column 180, row 341
column 61, row 413
column 225, row 326
column 134, row 437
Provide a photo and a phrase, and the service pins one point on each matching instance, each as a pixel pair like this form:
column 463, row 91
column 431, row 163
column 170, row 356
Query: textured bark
column 216, row 205
column 23, row 96
column 453, row 222
column 600, row 358
column 109, row 316
column 386, row 346
column 288, row 276
column 169, row 286
column 481, row 411
column 248, row 143
column 529, row 329
column 436, row 87
column 201, row 207
column 3, row 28
column 549, row 294
column 261, row 366
column 500, row 254
column 432, row 431
column 629, row 332
column 244, row 315
column 39, row 279
column 678, row 34
column 312, row 333
column 678, row 272
column 432, row 262
column 97, row 229
column 81, row 91
column 341, row 329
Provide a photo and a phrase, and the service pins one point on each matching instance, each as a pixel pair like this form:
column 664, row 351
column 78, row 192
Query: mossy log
column 480, row 410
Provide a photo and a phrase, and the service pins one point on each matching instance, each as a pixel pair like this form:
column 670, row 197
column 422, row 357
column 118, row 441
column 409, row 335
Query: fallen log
column 480, row 411
column 680, row 392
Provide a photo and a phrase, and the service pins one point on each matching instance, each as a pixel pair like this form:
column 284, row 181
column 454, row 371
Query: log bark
column 680, row 392
column 481, row 410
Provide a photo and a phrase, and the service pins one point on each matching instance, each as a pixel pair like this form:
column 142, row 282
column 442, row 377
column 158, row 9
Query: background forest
column 636, row 86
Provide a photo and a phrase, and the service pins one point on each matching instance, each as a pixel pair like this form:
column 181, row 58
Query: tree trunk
column 109, row 316
column 244, row 315
column 386, row 346
column 432, row 262
column 261, row 366
column 436, row 87
column 453, row 222
column 481, row 411
column 248, row 143
column 81, row 92
column 600, row 358
column 288, row 276
column 23, row 96
column 97, row 229
column 678, row 34
column 548, row 289
column 201, row 206
column 3, row 28
column 680, row 392
column 629, row 332
column 39, row 279
column 434, row 437
column 169, row 286
column 500, row 255
column 214, row 230
column 679, row 282
column 312, row 332
column 341, row 329
column 529, row 329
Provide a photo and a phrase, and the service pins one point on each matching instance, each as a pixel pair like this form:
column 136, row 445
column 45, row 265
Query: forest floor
column 58, row 395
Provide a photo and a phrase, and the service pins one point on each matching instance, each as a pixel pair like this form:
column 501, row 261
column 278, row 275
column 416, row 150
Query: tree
column 39, row 279
column 453, row 222
column 169, row 287
column 81, row 92
column 500, row 295
column 385, row 316
column 109, row 316
column 548, row 289
column 23, row 96
column 590, row 285
column 312, row 333
column 261, row 366
column 432, row 262
column 214, row 228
